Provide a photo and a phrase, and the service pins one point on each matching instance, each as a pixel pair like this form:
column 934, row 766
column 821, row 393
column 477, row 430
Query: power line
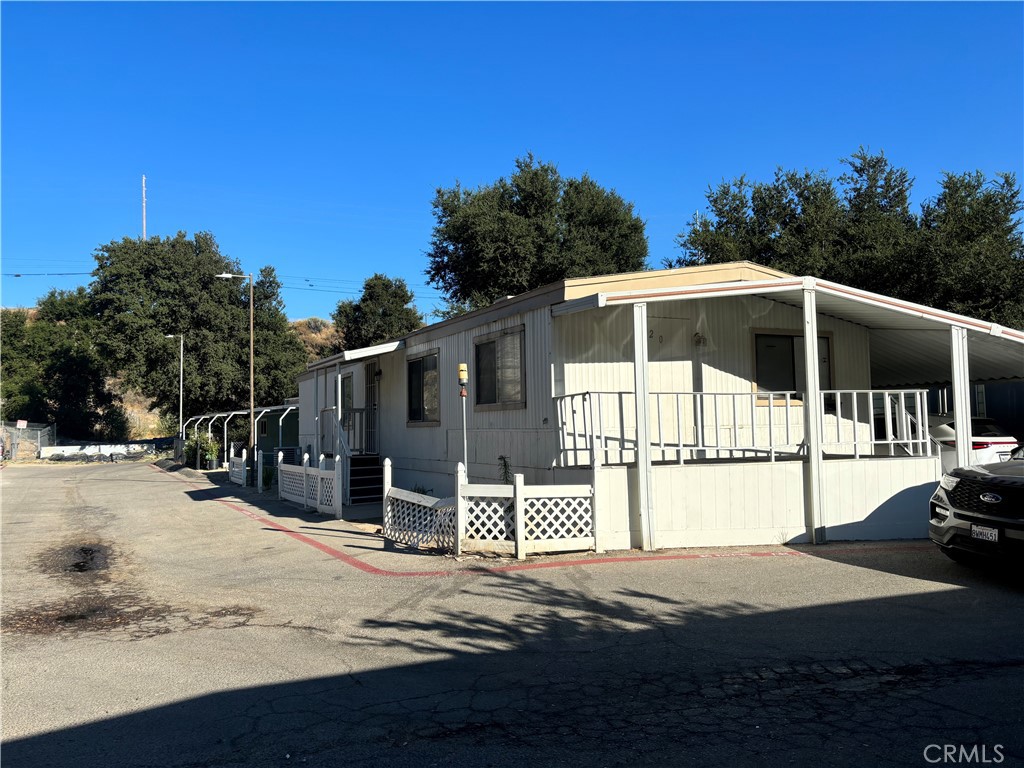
column 43, row 274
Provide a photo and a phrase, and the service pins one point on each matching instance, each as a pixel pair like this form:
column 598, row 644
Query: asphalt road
column 154, row 619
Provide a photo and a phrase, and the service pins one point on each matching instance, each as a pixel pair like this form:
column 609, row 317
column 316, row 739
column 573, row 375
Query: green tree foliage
column 526, row 231
column 382, row 313
column 971, row 250
column 144, row 290
column 53, row 370
column 280, row 354
column 962, row 253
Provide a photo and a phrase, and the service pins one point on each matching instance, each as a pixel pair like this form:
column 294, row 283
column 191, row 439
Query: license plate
column 984, row 533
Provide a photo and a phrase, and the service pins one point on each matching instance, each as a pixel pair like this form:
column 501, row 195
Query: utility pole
column 143, row 206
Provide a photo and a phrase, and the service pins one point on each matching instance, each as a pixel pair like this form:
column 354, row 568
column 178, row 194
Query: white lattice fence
column 416, row 520
column 291, row 483
column 327, row 491
column 522, row 518
column 567, row 517
column 512, row 519
column 312, row 487
column 490, row 518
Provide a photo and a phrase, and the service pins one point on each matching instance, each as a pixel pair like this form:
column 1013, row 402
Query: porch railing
column 688, row 426
column 887, row 422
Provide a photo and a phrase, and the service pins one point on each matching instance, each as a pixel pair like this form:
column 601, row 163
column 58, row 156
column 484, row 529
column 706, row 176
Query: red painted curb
column 478, row 571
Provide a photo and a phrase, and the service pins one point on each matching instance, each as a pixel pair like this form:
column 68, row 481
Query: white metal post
column 305, row 472
column 641, row 387
column 280, row 461
column 812, row 414
column 463, row 378
column 596, row 479
column 519, row 515
column 387, row 491
column 961, row 395
column 230, row 416
column 460, row 506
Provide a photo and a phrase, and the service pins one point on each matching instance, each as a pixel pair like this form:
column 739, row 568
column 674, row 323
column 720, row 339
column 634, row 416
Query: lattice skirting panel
column 490, row 518
column 291, row 483
column 417, row 524
column 570, row 517
column 326, row 492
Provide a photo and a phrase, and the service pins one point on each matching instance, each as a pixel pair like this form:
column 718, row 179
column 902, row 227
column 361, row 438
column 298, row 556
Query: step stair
column 366, row 479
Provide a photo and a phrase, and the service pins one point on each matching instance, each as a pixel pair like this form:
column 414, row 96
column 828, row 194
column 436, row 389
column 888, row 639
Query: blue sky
column 312, row 136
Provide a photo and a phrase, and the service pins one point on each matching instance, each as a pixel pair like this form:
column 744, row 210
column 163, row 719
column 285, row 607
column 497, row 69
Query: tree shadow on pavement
column 507, row 669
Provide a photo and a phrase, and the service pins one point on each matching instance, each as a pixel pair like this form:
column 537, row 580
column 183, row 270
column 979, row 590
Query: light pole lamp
column 181, row 381
column 252, row 399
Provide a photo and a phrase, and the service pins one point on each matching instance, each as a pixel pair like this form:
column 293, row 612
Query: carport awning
column 910, row 343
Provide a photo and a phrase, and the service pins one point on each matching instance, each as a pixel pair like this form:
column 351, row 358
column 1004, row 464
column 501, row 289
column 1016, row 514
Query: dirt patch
column 98, row 612
column 89, row 560
column 107, row 600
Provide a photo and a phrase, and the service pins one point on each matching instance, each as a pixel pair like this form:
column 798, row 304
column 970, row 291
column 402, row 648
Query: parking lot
column 155, row 618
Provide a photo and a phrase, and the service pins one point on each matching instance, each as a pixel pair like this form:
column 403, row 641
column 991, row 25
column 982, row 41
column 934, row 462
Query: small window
column 779, row 362
column 263, row 428
column 499, row 376
column 423, row 389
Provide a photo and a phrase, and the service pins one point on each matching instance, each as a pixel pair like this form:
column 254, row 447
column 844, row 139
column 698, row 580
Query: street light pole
column 181, row 381
column 252, row 393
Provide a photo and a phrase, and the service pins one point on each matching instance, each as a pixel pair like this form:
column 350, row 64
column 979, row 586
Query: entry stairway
column 366, row 479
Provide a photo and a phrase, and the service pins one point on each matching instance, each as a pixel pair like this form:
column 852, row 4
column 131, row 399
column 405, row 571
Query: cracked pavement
column 207, row 638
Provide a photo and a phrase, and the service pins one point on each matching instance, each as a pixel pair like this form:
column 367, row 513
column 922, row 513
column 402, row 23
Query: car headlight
column 949, row 482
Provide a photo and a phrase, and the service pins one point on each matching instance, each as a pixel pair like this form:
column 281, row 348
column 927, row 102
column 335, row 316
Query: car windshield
column 987, row 428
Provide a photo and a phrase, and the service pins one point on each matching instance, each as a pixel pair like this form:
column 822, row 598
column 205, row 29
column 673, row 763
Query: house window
column 423, row 389
column 779, row 362
column 499, row 375
column 346, row 392
column 263, row 428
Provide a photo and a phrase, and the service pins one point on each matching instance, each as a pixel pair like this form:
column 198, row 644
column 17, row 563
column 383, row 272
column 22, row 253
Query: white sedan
column 989, row 441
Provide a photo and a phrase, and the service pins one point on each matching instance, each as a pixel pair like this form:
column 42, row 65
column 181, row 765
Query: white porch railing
column 513, row 519
column 353, row 429
column 880, row 422
column 688, row 426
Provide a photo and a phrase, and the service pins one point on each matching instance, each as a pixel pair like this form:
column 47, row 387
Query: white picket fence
column 510, row 519
column 312, row 487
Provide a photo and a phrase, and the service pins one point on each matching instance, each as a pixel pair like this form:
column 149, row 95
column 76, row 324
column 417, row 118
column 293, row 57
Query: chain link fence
column 24, row 443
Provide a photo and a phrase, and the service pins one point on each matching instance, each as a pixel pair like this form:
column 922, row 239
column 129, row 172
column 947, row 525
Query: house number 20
column 650, row 335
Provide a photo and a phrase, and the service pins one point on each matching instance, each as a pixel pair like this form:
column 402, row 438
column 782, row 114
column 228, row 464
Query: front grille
column 967, row 496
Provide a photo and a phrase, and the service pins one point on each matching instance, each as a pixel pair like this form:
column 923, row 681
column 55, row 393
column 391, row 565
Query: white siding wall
column 879, row 498
column 427, row 455
column 729, row 504
column 307, row 413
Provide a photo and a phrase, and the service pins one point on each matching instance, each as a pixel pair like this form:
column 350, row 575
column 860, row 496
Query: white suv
column 989, row 441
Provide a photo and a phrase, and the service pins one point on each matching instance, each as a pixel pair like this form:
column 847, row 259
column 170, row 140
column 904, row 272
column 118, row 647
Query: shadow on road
column 552, row 675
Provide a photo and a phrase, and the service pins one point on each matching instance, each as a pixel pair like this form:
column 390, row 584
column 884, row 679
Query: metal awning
column 910, row 343
column 356, row 354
